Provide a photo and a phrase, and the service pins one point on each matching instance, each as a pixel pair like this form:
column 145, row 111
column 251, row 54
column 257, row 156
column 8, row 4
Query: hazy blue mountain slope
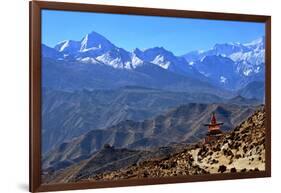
column 64, row 75
column 182, row 124
column 69, row 114
column 254, row 89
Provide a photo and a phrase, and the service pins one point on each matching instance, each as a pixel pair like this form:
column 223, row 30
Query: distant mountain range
column 96, row 95
column 182, row 124
column 239, row 150
column 93, row 84
column 67, row 114
column 73, row 75
column 230, row 66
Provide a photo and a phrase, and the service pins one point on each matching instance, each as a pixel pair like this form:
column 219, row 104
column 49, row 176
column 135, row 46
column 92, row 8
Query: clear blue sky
column 175, row 34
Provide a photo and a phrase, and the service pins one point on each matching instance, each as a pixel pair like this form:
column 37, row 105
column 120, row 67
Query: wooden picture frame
column 35, row 92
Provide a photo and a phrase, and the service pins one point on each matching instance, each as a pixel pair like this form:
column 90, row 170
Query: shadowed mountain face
column 219, row 70
column 183, row 124
column 253, row 90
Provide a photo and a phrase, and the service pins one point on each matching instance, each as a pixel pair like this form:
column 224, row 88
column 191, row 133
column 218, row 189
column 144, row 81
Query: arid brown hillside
column 241, row 150
column 106, row 160
column 183, row 124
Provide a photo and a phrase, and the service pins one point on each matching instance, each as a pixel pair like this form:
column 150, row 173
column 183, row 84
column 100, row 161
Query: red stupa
column 214, row 131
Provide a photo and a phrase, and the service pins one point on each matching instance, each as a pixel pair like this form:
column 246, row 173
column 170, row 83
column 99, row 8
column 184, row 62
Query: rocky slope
column 106, row 160
column 241, row 150
column 182, row 124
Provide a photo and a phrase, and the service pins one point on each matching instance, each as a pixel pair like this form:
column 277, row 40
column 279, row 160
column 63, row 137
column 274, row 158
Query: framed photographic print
column 123, row 96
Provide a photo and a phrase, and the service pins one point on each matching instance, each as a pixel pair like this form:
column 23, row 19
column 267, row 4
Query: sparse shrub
column 191, row 158
column 227, row 152
column 164, row 166
column 129, row 172
column 145, row 174
column 237, row 156
column 245, row 149
column 232, row 136
column 233, row 170
column 244, row 170
column 173, row 164
column 214, row 161
column 222, row 168
column 217, row 148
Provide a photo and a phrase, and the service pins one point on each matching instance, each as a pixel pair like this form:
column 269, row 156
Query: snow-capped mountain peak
column 225, row 63
column 247, row 61
column 62, row 45
column 68, row 46
column 95, row 41
column 157, row 55
column 259, row 41
column 135, row 58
